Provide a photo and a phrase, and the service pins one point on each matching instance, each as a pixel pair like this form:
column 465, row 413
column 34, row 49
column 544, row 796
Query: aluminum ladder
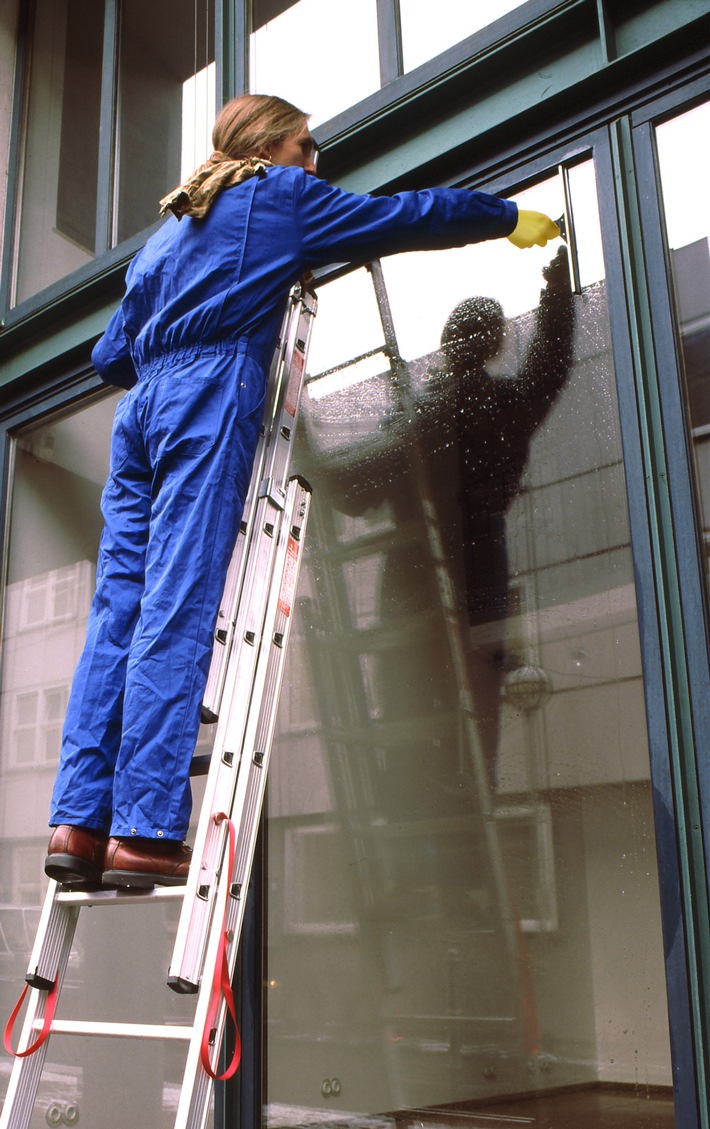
column 241, row 697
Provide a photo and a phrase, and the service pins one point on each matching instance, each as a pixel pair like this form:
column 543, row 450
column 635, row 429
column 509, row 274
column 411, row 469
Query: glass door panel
column 166, row 104
column 461, row 851
column 118, row 963
column 685, row 175
column 57, row 220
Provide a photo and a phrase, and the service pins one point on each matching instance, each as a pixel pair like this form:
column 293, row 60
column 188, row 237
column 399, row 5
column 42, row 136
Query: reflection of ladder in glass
column 241, row 697
column 355, row 738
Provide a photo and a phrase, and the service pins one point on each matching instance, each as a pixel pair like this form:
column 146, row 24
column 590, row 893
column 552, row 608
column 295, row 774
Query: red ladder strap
column 221, row 984
column 49, row 1010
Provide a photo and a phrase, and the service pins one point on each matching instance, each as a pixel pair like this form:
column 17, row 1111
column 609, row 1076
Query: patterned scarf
column 196, row 196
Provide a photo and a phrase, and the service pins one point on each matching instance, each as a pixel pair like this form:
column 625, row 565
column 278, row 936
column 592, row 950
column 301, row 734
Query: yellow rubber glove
column 533, row 229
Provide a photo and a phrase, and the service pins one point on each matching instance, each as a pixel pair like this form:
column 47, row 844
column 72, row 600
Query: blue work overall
column 192, row 342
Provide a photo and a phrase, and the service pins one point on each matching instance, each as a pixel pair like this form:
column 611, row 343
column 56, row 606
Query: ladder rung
column 416, row 632
column 391, row 734
column 403, row 1020
column 117, row 1030
column 120, row 897
column 379, row 541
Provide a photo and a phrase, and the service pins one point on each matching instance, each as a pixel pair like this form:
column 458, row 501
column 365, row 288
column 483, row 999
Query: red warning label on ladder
column 288, row 584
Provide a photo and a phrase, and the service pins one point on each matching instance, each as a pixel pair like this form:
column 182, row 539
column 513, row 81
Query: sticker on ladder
column 293, row 392
column 288, row 584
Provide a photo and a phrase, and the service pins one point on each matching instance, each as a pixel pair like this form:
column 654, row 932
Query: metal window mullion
column 682, row 872
column 8, row 267
column 106, row 178
column 389, row 38
column 240, row 14
column 231, row 48
column 607, row 37
column 683, row 486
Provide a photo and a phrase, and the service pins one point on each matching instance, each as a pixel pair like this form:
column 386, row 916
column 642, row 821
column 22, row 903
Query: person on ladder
column 192, row 343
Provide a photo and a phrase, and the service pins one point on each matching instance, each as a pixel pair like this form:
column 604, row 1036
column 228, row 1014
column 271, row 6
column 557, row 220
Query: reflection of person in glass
column 192, row 343
column 474, row 431
column 494, row 420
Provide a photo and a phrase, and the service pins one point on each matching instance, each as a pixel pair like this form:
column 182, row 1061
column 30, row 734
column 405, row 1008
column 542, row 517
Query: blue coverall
column 193, row 341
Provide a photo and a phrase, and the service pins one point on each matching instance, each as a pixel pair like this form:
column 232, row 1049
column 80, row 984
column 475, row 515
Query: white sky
column 684, row 158
column 342, row 63
column 319, row 54
column 424, row 37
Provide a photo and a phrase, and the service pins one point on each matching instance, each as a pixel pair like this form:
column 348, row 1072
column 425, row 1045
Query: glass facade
column 463, row 886
column 57, row 229
column 132, row 137
column 166, row 90
column 685, row 174
column 117, row 111
column 460, row 804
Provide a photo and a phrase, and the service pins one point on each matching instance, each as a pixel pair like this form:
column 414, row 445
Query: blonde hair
column 248, row 125
column 245, row 129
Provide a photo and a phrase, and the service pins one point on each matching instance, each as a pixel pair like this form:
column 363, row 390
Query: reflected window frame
column 232, row 32
column 110, row 252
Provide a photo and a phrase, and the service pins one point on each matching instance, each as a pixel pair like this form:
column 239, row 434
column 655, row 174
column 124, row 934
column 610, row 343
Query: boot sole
column 142, row 879
column 71, row 870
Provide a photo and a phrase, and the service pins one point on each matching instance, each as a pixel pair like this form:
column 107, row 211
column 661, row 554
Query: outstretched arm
column 338, row 226
column 548, row 358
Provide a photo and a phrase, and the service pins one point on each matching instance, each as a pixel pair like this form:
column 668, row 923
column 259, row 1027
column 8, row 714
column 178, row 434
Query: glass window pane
column 57, row 229
column 685, row 177
column 460, row 827
column 321, row 56
column 166, row 98
column 59, row 469
column 424, row 37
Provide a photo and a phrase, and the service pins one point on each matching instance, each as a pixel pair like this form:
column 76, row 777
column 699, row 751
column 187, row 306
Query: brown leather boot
column 75, row 856
column 146, row 862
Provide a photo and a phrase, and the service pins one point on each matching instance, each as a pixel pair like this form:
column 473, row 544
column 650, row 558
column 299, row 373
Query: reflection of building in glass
column 397, row 793
column 45, row 624
column 691, row 276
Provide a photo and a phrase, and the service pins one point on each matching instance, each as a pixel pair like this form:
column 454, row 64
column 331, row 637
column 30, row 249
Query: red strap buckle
column 50, row 1008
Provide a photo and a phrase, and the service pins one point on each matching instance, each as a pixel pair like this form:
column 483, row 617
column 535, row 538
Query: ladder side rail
column 270, row 474
column 247, row 808
column 55, row 933
column 276, row 471
column 196, row 1090
column 27, row 1072
column 221, row 782
column 229, row 603
column 227, row 778
column 225, row 765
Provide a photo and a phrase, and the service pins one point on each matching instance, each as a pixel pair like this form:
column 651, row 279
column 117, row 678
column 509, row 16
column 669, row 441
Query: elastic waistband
column 190, row 354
